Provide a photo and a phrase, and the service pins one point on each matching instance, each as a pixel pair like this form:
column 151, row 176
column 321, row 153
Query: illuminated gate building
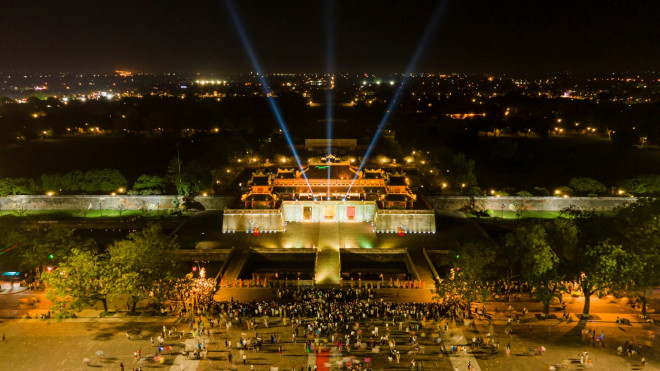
column 329, row 190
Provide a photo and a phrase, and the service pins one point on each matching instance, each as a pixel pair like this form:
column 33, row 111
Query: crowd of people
column 340, row 323
column 335, row 321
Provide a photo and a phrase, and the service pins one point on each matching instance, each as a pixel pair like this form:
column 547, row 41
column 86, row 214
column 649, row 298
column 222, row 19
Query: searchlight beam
column 419, row 51
column 274, row 107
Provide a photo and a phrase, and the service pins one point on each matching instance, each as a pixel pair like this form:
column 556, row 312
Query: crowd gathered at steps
column 328, row 320
column 328, row 305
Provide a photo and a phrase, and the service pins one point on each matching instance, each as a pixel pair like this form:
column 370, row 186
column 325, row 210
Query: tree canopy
column 81, row 279
column 586, row 186
column 146, row 271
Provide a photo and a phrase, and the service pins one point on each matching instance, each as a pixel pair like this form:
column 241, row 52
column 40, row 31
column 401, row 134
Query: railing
column 252, row 211
column 293, row 283
column 326, row 182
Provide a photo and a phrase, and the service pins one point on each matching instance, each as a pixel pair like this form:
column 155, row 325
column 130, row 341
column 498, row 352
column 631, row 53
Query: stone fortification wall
column 364, row 211
column 162, row 202
column 411, row 221
column 529, row 203
column 242, row 220
column 294, row 210
column 215, row 202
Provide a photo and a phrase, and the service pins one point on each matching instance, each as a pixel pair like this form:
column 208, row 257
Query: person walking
column 244, row 358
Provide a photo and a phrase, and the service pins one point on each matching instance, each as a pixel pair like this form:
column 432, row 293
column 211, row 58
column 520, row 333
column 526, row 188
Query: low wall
column 246, row 220
column 411, row 221
column 161, row 202
column 529, row 203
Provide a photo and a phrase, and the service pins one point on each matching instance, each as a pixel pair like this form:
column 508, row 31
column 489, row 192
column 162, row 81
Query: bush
column 540, row 191
column 583, row 185
column 523, row 194
column 643, row 185
column 17, row 186
column 565, row 191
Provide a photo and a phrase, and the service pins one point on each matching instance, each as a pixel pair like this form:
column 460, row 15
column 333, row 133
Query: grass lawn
column 508, row 214
column 68, row 214
column 531, row 214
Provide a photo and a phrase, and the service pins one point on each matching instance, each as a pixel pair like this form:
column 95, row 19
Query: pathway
column 328, row 264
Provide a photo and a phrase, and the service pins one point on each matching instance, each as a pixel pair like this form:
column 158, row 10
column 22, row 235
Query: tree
column 540, row 191
column 601, row 265
column 42, row 248
column 145, row 267
column 538, row 262
column 466, row 281
column 642, row 185
column 149, row 185
column 193, row 178
column 638, row 230
column 17, row 186
column 461, row 172
column 586, row 186
column 81, row 279
column 598, row 261
column 103, row 180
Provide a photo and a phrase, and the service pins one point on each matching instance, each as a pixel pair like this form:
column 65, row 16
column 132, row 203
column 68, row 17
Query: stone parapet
column 106, row 202
column 528, row 203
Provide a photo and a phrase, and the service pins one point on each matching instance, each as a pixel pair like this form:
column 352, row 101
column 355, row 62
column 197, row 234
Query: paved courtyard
column 35, row 344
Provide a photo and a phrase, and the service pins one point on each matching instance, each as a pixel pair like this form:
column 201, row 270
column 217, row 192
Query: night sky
column 525, row 36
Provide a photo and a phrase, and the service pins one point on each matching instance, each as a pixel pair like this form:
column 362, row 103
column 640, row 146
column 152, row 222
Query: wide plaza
column 73, row 344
